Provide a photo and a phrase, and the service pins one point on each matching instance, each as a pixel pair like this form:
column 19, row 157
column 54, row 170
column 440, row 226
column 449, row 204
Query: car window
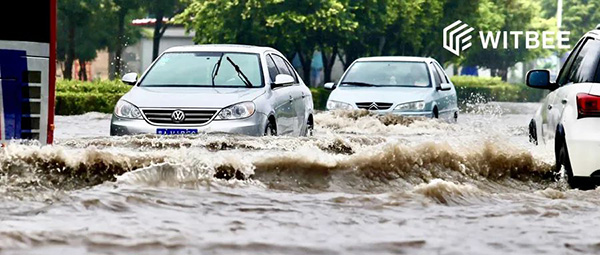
column 436, row 77
column 271, row 68
column 281, row 65
column 441, row 72
column 585, row 64
column 388, row 73
column 563, row 77
column 196, row 69
column 292, row 70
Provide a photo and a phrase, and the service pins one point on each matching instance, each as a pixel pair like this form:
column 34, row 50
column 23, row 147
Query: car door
column 441, row 97
column 299, row 95
column 553, row 106
column 448, row 96
column 295, row 95
column 283, row 104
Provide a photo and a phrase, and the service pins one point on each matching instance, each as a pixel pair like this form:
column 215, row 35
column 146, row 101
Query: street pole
column 559, row 10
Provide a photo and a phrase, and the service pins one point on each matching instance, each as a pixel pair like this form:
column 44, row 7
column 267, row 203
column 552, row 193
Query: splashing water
column 364, row 184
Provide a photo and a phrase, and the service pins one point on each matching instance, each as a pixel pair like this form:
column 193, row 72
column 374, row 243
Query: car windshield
column 197, row 69
column 387, row 73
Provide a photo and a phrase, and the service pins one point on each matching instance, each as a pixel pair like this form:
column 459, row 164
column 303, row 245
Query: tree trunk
column 80, row 73
column 328, row 62
column 504, row 74
column 70, row 58
column 305, row 61
column 83, row 70
column 120, row 44
column 158, row 33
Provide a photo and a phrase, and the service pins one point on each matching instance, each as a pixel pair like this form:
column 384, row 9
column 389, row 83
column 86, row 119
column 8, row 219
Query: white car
column 408, row 86
column 570, row 114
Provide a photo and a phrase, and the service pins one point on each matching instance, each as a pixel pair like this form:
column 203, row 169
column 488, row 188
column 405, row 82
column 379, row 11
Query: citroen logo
column 373, row 106
column 178, row 116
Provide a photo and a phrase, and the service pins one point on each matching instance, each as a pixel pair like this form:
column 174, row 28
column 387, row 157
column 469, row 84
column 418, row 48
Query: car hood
column 380, row 94
column 178, row 97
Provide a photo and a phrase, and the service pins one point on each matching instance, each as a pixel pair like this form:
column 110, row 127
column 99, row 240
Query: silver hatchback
column 216, row 88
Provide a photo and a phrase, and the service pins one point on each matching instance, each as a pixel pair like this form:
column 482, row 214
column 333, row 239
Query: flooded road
column 362, row 185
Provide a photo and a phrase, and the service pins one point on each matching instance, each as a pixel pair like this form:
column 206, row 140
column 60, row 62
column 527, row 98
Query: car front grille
column 374, row 106
column 192, row 116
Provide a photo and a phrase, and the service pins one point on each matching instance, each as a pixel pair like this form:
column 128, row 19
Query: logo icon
column 457, row 37
column 373, row 107
column 178, row 116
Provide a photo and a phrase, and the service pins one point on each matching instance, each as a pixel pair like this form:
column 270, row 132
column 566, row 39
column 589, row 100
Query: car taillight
column 588, row 105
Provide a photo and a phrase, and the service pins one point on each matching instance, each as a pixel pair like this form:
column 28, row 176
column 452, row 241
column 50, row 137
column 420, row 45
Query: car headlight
column 335, row 105
column 237, row 111
column 124, row 109
column 412, row 106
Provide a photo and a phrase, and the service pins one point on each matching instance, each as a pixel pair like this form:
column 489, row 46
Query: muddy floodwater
column 362, row 185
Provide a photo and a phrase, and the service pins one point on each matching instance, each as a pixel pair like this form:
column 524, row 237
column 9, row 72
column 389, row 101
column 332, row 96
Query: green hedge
column 320, row 96
column 493, row 89
column 76, row 97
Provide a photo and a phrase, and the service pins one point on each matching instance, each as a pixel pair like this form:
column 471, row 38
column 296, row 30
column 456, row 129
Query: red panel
column 52, row 71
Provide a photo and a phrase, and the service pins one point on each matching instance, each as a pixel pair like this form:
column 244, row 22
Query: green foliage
column 320, row 96
column 579, row 16
column 110, row 87
column 86, row 26
column 508, row 15
column 77, row 97
column 470, row 88
column 68, row 103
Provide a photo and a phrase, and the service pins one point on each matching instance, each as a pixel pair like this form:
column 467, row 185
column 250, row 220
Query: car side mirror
column 282, row 80
column 130, row 78
column 329, row 86
column 445, row 86
column 539, row 79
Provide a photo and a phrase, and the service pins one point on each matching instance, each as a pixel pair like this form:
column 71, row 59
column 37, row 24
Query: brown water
column 361, row 185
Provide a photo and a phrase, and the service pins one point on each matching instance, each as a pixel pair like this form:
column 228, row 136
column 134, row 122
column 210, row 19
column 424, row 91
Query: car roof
column 221, row 48
column 396, row 59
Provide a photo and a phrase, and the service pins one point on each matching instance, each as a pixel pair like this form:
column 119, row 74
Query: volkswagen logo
column 373, row 106
column 178, row 116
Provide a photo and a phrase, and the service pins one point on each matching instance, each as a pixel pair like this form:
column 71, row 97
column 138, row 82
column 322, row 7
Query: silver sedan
column 409, row 86
column 216, row 88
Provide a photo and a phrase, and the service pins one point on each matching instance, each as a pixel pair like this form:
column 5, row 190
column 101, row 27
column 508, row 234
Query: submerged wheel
column 310, row 127
column 270, row 129
column 455, row 119
column 435, row 113
column 533, row 133
column 563, row 160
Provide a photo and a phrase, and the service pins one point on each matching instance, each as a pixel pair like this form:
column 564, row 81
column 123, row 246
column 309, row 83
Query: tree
column 73, row 15
column 86, row 26
column 578, row 16
column 121, row 9
column 161, row 9
column 512, row 15
column 293, row 27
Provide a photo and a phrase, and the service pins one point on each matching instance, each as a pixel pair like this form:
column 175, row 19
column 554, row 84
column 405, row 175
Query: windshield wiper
column 240, row 73
column 357, row 83
column 216, row 69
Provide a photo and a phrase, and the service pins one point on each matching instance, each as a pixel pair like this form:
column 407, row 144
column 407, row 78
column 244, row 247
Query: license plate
column 175, row 131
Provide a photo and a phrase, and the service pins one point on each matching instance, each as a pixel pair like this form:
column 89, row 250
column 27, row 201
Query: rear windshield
column 388, row 73
column 196, row 69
